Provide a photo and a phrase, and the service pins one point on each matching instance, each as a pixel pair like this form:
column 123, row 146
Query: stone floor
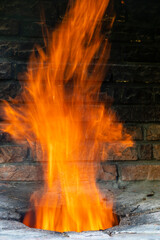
column 136, row 204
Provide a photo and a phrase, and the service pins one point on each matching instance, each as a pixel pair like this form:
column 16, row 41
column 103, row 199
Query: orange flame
column 62, row 112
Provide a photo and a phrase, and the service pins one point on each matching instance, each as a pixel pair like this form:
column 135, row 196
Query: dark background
column 134, row 71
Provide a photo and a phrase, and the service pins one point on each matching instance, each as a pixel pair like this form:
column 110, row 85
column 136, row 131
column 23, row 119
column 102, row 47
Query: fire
column 61, row 111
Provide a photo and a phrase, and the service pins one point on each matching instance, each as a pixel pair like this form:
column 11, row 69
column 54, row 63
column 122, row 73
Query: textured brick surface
column 122, row 154
column 140, row 172
column 145, row 152
column 156, row 151
column 18, row 50
column 20, row 173
column 5, row 70
column 153, row 132
column 107, row 172
column 13, row 153
column 135, row 132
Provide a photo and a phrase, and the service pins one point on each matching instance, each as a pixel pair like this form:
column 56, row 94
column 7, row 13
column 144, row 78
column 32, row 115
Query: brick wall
column 133, row 80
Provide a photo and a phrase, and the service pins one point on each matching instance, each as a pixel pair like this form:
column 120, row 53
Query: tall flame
column 63, row 114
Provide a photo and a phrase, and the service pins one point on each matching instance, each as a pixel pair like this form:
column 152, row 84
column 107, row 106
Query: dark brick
column 116, row 54
column 157, row 34
column 135, row 132
column 145, row 152
column 138, row 96
column 32, row 9
column 8, row 49
column 2, row 112
column 18, row 50
column 134, row 52
column 157, row 95
column 9, row 89
column 127, row 32
column 157, row 113
column 133, row 95
column 31, row 29
column 150, row 113
column 9, row 27
column 25, row 49
column 141, row 53
column 20, row 70
column 146, row 73
column 150, row 10
column 19, row 9
column 153, row 132
column 131, row 113
column 143, row 113
column 5, row 138
column 12, row 153
column 156, row 151
column 133, row 72
column 5, row 71
column 123, row 113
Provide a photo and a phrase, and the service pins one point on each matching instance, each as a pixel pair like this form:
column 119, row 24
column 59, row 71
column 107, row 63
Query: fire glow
column 63, row 114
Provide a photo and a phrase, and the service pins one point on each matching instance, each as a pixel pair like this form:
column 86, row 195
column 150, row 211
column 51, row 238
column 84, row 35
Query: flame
column 61, row 111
